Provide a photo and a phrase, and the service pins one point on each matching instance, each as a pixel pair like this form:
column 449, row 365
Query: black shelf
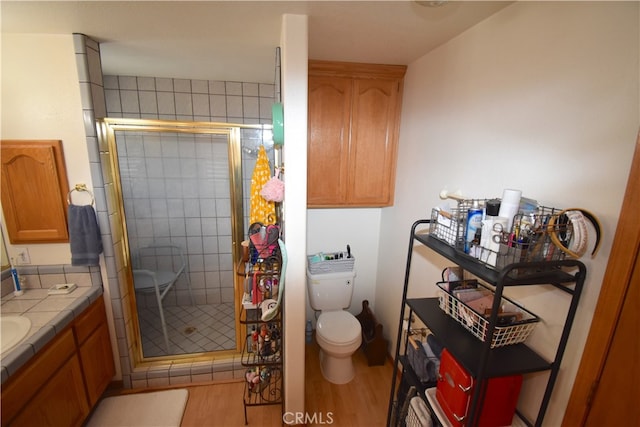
column 265, row 393
column 269, row 390
column 413, row 377
column 252, row 358
column 503, row 361
column 536, row 273
column 476, row 356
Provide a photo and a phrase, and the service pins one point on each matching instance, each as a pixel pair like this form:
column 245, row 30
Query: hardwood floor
column 362, row 402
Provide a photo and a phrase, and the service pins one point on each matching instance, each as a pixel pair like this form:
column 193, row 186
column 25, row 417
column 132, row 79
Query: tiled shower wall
column 94, row 106
column 176, row 187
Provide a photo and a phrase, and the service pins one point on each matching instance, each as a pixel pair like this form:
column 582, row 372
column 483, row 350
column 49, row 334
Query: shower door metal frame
column 107, row 129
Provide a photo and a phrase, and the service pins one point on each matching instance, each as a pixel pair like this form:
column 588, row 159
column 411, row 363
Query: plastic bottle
column 474, row 224
column 491, row 247
column 509, row 206
column 254, row 340
column 309, row 332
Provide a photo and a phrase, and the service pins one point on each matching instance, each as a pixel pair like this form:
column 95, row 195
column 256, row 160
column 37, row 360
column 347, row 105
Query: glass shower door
column 177, row 198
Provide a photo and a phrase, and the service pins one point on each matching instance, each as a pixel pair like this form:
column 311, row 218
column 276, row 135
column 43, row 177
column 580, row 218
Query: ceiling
column 236, row 40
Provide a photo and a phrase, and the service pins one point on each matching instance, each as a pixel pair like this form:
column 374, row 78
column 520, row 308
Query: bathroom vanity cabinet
column 479, row 358
column 63, row 381
column 354, row 116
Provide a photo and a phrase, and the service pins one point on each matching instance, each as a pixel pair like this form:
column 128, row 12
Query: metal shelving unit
column 262, row 354
column 477, row 357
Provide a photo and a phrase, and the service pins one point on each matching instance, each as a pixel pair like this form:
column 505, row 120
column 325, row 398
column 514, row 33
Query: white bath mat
column 156, row 409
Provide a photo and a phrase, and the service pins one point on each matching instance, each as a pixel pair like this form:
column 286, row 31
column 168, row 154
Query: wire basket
column 514, row 324
column 528, row 239
column 336, row 264
column 449, row 226
column 418, row 413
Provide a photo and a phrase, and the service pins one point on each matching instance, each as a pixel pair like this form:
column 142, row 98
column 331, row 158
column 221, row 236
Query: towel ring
column 80, row 188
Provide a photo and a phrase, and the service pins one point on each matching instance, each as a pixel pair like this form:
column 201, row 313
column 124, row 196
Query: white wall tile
column 148, row 102
column 129, row 101
column 184, row 106
column 218, row 105
column 234, row 106
column 110, row 82
column 146, row 83
column 233, row 88
column 182, row 85
column 112, row 98
column 250, row 89
column 200, row 104
column 251, row 107
column 164, row 85
column 267, row 91
column 217, row 87
column 166, row 103
column 127, row 83
column 200, row 86
column 177, row 227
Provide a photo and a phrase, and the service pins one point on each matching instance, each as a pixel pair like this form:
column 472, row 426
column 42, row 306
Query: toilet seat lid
column 338, row 327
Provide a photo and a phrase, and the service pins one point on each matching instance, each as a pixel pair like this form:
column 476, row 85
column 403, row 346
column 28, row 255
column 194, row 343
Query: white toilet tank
column 330, row 291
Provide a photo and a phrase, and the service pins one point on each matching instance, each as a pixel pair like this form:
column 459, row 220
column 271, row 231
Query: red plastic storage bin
column 455, row 388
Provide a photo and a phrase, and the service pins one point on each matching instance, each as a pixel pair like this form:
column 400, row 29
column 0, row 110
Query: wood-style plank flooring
column 362, row 402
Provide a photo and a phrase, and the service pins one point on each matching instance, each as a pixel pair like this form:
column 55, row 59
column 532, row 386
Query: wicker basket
column 515, row 323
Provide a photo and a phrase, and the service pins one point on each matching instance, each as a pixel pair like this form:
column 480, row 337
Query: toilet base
column 337, row 370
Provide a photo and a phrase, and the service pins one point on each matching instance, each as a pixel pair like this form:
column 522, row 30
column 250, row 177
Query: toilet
column 338, row 332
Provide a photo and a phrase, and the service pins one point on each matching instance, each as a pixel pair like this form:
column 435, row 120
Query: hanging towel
column 262, row 210
column 84, row 235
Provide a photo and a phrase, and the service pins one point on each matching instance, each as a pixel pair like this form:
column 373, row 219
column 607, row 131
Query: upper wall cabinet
column 34, row 191
column 354, row 117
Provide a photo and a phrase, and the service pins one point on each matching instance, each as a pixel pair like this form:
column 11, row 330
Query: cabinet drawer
column 26, row 383
column 89, row 321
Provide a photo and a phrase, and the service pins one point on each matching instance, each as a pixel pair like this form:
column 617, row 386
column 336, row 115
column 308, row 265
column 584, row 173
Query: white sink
column 13, row 330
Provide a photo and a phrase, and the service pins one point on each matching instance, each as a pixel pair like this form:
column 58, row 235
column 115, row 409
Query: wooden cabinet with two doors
column 354, row 117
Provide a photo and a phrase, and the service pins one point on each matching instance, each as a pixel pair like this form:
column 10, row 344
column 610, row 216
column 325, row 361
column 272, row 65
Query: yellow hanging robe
column 261, row 210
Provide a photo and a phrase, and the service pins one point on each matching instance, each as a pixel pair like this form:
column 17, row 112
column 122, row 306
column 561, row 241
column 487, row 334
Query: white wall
column 293, row 41
column 331, row 230
column 543, row 97
column 41, row 100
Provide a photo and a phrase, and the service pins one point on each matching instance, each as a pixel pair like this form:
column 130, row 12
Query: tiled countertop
column 49, row 314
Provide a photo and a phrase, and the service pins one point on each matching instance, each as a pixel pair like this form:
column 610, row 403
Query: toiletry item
column 309, row 332
column 490, row 248
column 17, row 289
column 492, row 228
column 492, row 207
column 250, row 346
column 254, row 339
column 474, row 223
column 510, row 205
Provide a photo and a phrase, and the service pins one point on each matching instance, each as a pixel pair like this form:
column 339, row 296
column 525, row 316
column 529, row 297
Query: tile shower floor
column 191, row 329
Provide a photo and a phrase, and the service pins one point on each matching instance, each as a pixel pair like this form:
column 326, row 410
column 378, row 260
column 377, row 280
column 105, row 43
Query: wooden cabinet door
column 354, row 115
column 97, row 363
column 49, row 390
column 372, row 158
column 34, row 191
column 328, row 140
column 96, row 358
column 60, row 402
